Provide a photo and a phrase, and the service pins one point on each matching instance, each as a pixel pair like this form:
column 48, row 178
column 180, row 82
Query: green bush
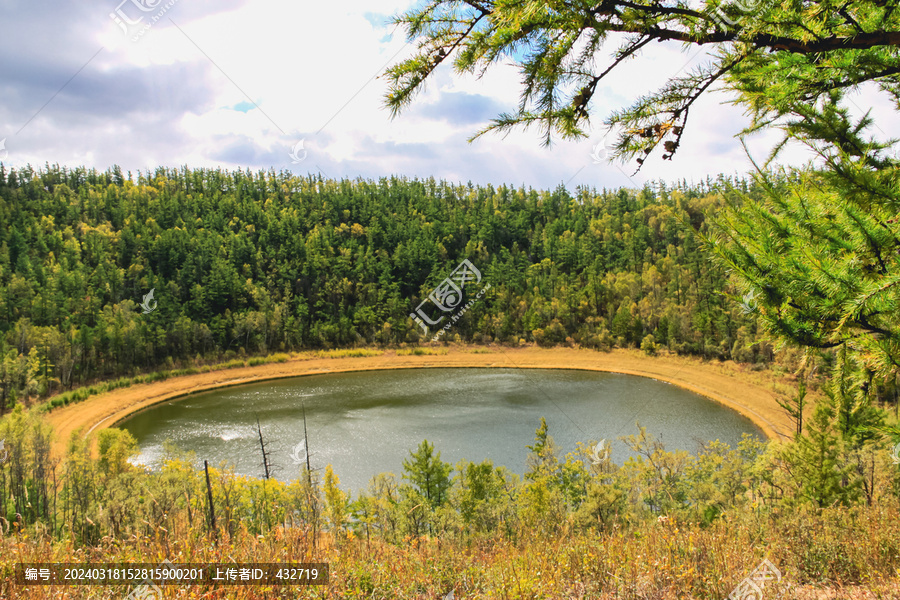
column 348, row 353
column 648, row 345
column 422, row 352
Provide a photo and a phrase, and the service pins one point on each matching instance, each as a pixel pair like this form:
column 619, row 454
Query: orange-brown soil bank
column 752, row 393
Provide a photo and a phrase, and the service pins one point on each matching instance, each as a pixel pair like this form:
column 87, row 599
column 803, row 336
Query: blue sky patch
column 244, row 106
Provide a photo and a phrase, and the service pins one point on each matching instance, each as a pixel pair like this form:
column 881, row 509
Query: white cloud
column 169, row 99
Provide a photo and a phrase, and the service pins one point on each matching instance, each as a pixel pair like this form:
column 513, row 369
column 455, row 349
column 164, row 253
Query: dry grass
column 423, row 351
column 655, row 561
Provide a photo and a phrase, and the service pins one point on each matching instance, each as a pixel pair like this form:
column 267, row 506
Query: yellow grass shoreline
column 751, row 393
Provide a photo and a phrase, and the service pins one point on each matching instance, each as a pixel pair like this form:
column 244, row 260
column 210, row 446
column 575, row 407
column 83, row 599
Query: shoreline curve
column 750, row 393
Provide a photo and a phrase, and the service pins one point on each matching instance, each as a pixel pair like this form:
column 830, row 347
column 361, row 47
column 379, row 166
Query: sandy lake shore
column 751, row 393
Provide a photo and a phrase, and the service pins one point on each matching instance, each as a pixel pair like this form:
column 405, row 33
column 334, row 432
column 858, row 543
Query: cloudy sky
column 239, row 84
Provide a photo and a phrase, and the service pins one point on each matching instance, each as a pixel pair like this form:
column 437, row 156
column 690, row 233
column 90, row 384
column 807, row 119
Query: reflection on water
column 366, row 423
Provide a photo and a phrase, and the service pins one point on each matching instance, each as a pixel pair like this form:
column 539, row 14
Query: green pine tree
column 819, row 464
column 428, row 474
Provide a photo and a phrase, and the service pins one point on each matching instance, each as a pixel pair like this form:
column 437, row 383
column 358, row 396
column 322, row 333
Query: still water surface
column 365, row 423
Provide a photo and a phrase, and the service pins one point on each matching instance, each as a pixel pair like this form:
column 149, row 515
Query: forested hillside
column 250, row 263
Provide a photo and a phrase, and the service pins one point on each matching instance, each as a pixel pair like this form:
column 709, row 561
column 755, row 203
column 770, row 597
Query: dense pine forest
column 262, row 264
column 249, row 263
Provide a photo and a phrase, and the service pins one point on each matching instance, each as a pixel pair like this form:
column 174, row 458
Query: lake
column 366, row 423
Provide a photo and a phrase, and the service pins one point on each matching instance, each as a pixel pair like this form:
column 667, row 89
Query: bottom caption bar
column 171, row 574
